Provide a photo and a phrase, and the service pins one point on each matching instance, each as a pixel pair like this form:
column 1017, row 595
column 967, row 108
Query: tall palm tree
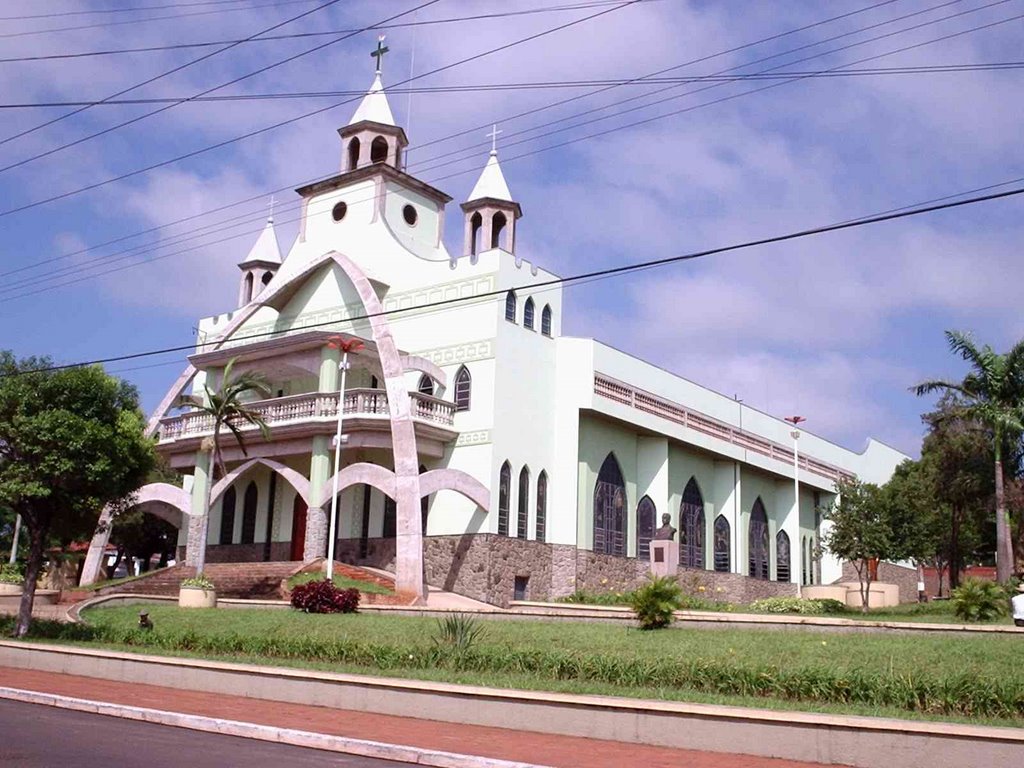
column 226, row 407
column 993, row 395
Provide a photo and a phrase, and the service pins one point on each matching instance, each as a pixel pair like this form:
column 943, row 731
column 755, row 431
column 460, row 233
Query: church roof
column 491, row 182
column 374, row 106
column 266, row 249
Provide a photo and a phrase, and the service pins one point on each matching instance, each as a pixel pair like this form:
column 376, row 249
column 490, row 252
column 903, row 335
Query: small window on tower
column 339, row 210
column 410, row 215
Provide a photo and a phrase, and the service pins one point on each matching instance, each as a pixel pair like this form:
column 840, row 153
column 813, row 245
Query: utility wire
column 566, row 281
column 995, row 66
column 131, row 9
column 192, row 217
column 289, row 121
column 71, row 270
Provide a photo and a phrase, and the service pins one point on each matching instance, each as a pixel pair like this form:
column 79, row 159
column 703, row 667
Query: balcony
column 317, row 413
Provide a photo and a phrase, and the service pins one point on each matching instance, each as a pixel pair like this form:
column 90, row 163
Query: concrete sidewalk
column 497, row 743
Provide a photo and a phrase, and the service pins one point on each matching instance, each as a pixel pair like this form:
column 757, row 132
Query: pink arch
column 298, row 482
column 381, row 478
column 454, row 480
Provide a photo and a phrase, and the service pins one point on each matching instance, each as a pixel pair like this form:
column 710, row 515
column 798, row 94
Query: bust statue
column 666, row 532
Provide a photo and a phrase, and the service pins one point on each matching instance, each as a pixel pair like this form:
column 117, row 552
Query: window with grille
column 523, row 518
column 610, row 509
column 504, row 492
column 691, row 527
column 758, row 542
column 227, row 517
column 528, row 314
column 425, row 385
column 782, row 562
column 542, row 506
column 463, row 385
column 510, row 306
column 723, row 545
column 545, row 320
column 646, row 514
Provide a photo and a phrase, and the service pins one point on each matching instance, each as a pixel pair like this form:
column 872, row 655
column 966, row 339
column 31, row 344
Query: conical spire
column 491, row 182
column 266, row 249
column 374, row 106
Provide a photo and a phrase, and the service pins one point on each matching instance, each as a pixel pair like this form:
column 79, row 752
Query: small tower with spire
column 372, row 136
column 491, row 213
column 262, row 263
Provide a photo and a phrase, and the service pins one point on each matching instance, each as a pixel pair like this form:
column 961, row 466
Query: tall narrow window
column 379, row 150
column 353, row 154
column 227, row 517
column 528, row 314
column 426, row 385
column 691, row 527
column 504, row 492
column 803, row 560
column 542, row 506
column 498, row 224
column 248, row 287
column 723, row 545
column 390, row 528
column 545, row 320
column 757, row 542
column 249, row 506
column 463, row 387
column 610, row 509
column 476, row 223
column 424, row 506
column 782, row 562
column 523, row 518
column 510, row 306
column 645, row 516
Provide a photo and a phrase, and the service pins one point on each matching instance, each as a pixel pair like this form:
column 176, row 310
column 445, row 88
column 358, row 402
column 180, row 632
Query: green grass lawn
column 341, row 582
column 971, row 679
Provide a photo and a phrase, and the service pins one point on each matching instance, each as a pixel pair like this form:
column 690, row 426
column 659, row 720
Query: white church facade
column 520, row 462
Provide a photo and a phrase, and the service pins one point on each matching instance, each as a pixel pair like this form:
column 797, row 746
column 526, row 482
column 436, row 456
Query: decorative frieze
column 479, row 437
column 459, row 353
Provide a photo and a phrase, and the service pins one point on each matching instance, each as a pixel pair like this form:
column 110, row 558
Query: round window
column 410, row 215
column 339, row 211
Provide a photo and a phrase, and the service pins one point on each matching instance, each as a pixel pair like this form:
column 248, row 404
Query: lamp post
column 795, row 434
column 346, row 346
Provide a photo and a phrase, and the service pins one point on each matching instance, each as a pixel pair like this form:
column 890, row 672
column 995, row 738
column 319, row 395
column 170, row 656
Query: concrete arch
column 453, row 480
column 297, row 480
column 363, row 473
column 421, row 364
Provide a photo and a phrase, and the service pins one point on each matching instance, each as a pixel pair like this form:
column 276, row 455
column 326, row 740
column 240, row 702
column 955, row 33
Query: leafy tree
column 860, row 531
column 917, row 521
column 71, row 441
column 993, row 395
column 226, row 408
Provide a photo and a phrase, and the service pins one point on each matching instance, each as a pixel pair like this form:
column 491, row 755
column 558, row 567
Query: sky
column 836, row 327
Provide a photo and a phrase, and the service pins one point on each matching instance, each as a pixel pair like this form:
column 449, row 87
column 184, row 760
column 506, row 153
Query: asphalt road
column 37, row 736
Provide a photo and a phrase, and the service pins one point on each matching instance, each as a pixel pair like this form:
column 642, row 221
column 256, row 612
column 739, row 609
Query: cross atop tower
column 493, row 136
column 273, row 201
column 378, row 54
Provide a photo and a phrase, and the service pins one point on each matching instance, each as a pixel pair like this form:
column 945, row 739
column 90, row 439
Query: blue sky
column 835, row 327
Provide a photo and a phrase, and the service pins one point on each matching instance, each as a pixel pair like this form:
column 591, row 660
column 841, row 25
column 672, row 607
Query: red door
column 298, row 528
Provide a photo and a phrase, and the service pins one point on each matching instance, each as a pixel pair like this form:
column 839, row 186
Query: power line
column 243, row 201
column 289, row 121
column 996, row 66
column 70, row 271
column 132, row 9
column 568, row 281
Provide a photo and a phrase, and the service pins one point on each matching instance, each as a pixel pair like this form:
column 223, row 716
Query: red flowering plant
column 324, row 597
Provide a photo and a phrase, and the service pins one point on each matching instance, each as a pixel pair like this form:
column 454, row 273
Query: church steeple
column 262, row 263
column 491, row 213
column 372, row 136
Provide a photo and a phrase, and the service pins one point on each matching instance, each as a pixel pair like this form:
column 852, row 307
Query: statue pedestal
column 664, row 557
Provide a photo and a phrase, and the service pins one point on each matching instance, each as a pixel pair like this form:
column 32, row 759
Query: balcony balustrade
column 313, row 407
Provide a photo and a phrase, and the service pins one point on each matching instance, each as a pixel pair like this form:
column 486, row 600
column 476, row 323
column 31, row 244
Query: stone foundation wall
column 890, row 573
column 731, row 587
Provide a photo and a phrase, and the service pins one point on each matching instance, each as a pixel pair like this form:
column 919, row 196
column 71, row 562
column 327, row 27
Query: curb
column 289, row 736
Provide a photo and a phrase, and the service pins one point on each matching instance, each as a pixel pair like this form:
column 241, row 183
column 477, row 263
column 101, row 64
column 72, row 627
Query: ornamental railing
column 313, row 407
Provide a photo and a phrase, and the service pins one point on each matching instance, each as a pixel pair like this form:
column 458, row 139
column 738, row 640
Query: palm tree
column 224, row 405
column 993, row 395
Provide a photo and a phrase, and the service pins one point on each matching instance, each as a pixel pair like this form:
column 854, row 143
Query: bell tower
column 491, row 213
column 372, row 136
column 262, row 263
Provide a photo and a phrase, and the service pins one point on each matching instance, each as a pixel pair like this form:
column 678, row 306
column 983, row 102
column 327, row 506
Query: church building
column 483, row 451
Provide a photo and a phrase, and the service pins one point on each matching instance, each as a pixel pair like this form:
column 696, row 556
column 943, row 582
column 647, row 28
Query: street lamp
column 346, row 346
column 795, row 434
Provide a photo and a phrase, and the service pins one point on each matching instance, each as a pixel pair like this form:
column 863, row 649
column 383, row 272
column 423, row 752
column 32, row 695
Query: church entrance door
column 298, row 529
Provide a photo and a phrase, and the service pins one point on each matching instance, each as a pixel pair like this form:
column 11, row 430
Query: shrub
column 323, row 597
column 979, row 600
column 582, row 596
column 655, row 602
column 458, row 632
column 11, row 574
column 198, row 582
column 797, row 605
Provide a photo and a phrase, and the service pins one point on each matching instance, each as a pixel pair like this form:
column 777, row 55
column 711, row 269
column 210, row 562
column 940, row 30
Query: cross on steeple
column 493, row 136
column 270, row 205
column 379, row 53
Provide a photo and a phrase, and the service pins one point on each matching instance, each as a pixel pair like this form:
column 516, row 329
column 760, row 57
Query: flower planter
column 10, row 590
column 197, row 597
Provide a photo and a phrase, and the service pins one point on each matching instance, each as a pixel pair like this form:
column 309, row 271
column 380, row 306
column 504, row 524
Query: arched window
column 545, row 320
column 353, row 154
column 528, row 314
column 248, row 287
column 425, row 385
column 498, row 224
column 523, row 518
column 610, row 509
column 782, row 562
column 227, row 517
column 424, row 507
column 476, row 223
column 267, row 277
column 463, row 387
column 723, row 545
column 645, row 516
column 757, row 541
column 390, row 527
column 504, row 493
column 249, row 513
column 691, row 527
column 542, row 506
column 379, row 150
column 803, row 560
column 510, row 306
